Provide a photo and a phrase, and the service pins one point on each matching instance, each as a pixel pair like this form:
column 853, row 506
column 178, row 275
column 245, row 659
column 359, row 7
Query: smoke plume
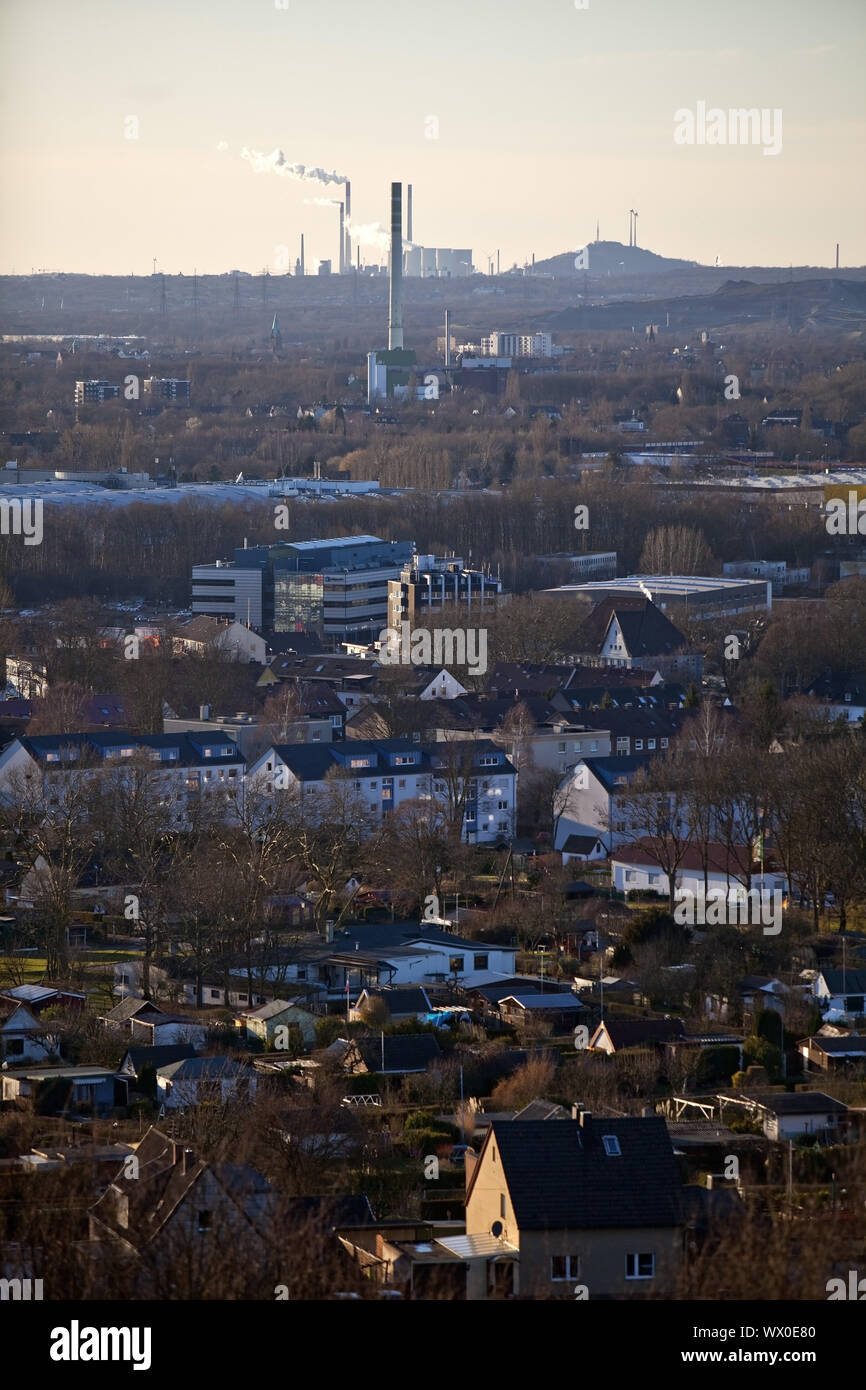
column 276, row 163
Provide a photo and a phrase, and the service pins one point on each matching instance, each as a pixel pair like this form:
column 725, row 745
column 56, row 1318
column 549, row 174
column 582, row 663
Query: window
column 301, row 972
column 401, row 781
column 651, row 743
column 502, row 1205
column 214, row 994
column 663, row 743
column 15, row 1047
column 560, row 747
column 642, row 1266
column 480, row 962
column 490, row 760
column 563, row 1267
column 611, row 1146
column 593, row 745
column 205, row 1220
column 455, row 963
column 638, row 743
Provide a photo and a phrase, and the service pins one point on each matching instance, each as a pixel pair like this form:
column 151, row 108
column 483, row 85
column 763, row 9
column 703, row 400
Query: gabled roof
column 156, row 1057
column 854, row 1045
column 800, row 1103
column 330, row 1212
column 202, row 1069
column 560, row 1177
column 847, row 982
column 609, row 771
column 132, row 1008
column 401, row 1001
column 406, row 1052
column 645, row 629
column 542, row 1110
column 635, row 1032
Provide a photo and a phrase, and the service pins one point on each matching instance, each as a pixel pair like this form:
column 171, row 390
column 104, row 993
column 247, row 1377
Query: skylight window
column 611, row 1146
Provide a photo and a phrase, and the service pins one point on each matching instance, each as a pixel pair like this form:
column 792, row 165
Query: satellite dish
column 496, row 1229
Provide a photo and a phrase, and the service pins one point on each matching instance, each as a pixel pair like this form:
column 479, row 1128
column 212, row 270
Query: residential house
column 582, row 847
column 833, row 1054
column 90, row 1089
column 135, row 1058
column 202, row 635
column 472, row 784
column 179, row 1201
column 411, row 1002
column 23, row 1038
column 618, row 1034
column 634, row 632
column 790, row 1114
column 751, row 996
column 593, row 1203
column 197, row 1080
column 38, row 998
column 48, row 770
column 558, row 1012
column 589, row 800
column 840, row 993
column 718, row 869
column 392, row 1054
column 290, row 1016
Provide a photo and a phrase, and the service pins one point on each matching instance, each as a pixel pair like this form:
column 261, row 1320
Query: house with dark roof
column 134, row 1058
column 589, row 1205
column 50, row 770
column 410, row 1002
column 841, row 992
column 617, row 1034
column 384, row 774
column 789, row 1114
column 394, row 1054
column 634, row 632
column 181, row 1206
column 587, row 800
column 833, row 1054
column 23, row 1038
column 194, row 1080
column 559, row 1012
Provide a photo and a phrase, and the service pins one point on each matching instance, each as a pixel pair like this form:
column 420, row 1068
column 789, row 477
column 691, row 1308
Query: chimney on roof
column 187, row 1159
column 584, row 1118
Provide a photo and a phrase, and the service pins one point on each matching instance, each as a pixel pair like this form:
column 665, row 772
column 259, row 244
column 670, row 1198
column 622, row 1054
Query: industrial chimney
column 447, row 337
column 409, row 213
column 395, row 314
column 348, row 255
column 342, row 239
column 303, row 272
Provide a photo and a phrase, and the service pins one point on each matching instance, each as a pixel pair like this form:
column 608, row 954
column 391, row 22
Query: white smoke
column 276, row 163
column 371, row 234
column 222, row 146
column 322, row 202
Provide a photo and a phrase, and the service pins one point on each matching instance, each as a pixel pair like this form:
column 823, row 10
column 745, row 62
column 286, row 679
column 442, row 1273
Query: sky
column 520, row 123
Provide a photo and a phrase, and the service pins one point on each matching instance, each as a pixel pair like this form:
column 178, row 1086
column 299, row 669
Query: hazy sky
column 548, row 117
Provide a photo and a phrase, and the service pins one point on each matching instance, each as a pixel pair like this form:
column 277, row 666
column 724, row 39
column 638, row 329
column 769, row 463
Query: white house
column 199, row 1079
column 634, row 867
column 46, row 771
column 840, row 993
column 443, row 687
column 785, row 1116
column 22, row 1037
column 587, row 800
column 387, row 773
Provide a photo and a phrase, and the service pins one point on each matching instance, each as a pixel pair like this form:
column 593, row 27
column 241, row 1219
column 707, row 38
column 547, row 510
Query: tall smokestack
column 348, row 255
column 395, row 313
column 342, row 239
column 837, row 255
column 409, row 213
column 447, row 337
column 303, row 271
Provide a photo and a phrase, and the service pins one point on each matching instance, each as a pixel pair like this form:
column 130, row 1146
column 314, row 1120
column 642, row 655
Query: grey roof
column 801, row 1103
column 610, row 770
column 131, row 1008
column 847, row 982
column 402, row 1001
column 157, row 1057
column 542, row 1110
column 852, row 1046
column 202, row 1069
column 559, row 1176
column 404, row 1052
column 540, row 1002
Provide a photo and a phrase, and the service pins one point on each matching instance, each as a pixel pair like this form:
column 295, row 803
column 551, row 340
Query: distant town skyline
column 520, row 128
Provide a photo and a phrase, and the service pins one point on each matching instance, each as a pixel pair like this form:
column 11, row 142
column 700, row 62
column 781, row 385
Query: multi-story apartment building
column 517, row 345
column 95, row 392
column 473, row 784
column 336, row 588
column 429, row 581
column 167, row 388
column 48, row 773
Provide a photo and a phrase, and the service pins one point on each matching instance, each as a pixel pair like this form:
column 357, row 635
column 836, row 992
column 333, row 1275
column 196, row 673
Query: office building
column 429, row 581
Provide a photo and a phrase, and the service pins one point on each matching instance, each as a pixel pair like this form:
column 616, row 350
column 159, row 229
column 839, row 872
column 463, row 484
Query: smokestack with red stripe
column 395, row 314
